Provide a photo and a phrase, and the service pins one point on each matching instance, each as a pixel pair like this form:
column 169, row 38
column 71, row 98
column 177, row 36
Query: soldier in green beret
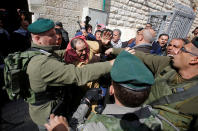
column 131, row 83
column 175, row 89
column 49, row 76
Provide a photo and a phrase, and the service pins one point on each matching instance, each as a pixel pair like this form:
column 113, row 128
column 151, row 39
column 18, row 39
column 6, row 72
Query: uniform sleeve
column 154, row 62
column 55, row 72
column 60, row 53
column 117, row 51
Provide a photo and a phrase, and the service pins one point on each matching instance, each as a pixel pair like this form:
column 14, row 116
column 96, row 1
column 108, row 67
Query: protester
column 116, row 42
column 159, row 47
column 174, row 47
column 65, row 36
column 195, row 32
column 148, row 26
column 98, row 34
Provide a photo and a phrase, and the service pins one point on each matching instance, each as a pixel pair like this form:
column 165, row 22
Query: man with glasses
column 175, row 87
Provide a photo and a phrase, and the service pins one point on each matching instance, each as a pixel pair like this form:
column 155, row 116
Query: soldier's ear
column 111, row 90
column 36, row 37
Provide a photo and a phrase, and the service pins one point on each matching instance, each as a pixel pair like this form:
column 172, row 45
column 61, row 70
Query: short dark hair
column 163, row 35
column 58, row 31
column 74, row 41
column 130, row 98
column 59, row 24
column 140, row 29
column 119, row 31
column 98, row 31
column 149, row 24
column 194, row 29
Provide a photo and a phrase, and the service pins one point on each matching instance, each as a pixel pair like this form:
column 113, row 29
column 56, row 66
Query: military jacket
column 115, row 117
column 167, row 80
column 46, row 70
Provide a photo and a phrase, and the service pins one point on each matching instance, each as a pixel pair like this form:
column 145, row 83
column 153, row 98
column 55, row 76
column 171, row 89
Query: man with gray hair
column 116, row 42
column 144, row 39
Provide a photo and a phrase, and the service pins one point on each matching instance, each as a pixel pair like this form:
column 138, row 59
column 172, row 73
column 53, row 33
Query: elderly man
column 143, row 40
column 48, row 73
column 174, row 46
column 116, row 42
column 81, row 51
column 175, row 84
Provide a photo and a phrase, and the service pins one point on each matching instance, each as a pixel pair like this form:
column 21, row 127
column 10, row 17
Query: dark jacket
column 65, row 39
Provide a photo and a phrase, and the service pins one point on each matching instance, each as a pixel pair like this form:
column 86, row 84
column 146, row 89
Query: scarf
column 71, row 57
column 116, row 45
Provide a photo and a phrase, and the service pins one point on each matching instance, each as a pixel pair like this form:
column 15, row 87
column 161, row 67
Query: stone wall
column 65, row 11
column 126, row 15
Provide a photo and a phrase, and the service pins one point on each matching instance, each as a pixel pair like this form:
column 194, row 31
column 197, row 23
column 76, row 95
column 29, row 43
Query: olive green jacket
column 45, row 70
column 166, row 81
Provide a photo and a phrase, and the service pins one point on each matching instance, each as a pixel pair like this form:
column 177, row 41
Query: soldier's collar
column 49, row 48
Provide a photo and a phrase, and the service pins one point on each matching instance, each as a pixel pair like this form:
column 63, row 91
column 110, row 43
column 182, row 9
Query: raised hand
column 106, row 37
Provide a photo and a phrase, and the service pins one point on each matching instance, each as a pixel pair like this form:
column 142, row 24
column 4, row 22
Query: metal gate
column 176, row 24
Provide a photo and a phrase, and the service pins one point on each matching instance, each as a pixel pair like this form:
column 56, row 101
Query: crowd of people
column 95, row 81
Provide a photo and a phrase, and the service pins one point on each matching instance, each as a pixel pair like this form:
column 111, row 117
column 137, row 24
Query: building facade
column 126, row 15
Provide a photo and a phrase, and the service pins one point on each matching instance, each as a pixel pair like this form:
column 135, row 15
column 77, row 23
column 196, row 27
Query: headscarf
column 71, row 57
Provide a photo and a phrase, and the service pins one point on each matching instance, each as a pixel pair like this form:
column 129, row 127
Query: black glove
column 92, row 95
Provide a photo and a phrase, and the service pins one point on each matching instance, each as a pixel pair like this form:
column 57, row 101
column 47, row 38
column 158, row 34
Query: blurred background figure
column 21, row 38
column 148, row 26
column 86, row 29
column 98, row 34
column 159, row 46
column 195, row 32
column 100, row 27
column 59, row 38
column 65, row 36
column 116, row 42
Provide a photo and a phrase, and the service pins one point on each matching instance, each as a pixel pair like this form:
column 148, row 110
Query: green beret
column 131, row 73
column 40, row 26
column 195, row 41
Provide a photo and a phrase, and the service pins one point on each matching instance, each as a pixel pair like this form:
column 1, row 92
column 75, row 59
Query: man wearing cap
column 48, row 75
column 176, row 81
column 131, row 83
